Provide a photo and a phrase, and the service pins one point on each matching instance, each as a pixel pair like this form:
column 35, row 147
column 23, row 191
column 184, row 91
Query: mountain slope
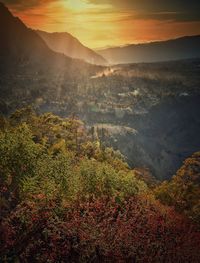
column 22, row 46
column 67, row 44
column 181, row 48
column 29, row 68
column 19, row 43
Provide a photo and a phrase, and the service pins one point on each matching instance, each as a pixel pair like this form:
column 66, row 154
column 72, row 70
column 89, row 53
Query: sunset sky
column 100, row 23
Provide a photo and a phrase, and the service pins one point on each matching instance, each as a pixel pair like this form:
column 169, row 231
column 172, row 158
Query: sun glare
column 77, row 5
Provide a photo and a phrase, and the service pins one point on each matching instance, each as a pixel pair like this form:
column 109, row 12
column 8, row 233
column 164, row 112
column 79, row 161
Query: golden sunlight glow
column 77, row 5
column 100, row 23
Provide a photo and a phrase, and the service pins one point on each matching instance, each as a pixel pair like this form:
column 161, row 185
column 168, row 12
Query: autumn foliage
column 64, row 197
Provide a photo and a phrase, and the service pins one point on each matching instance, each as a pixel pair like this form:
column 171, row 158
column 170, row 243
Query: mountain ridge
column 185, row 47
column 64, row 42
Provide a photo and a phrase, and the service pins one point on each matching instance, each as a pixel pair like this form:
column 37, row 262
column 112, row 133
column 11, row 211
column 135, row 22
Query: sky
column 102, row 23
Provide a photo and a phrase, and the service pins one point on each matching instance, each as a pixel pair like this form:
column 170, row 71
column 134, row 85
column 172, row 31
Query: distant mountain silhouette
column 67, row 44
column 175, row 49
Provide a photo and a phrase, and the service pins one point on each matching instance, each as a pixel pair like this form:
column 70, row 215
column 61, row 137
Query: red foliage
column 139, row 230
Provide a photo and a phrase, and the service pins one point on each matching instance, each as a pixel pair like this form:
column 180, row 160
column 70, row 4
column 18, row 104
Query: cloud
column 22, row 5
column 176, row 10
column 151, row 5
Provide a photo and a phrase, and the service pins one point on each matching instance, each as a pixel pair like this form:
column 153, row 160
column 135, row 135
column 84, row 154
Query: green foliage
column 19, row 155
column 66, row 178
column 43, row 158
column 101, row 179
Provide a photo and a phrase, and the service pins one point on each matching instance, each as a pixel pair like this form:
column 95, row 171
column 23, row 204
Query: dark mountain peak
column 7, row 18
column 4, row 11
column 2, row 6
column 18, row 42
column 57, row 34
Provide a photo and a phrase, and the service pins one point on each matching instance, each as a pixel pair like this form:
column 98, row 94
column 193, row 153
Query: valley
column 159, row 102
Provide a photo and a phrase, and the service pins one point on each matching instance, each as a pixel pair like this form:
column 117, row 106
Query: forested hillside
column 183, row 190
column 65, row 197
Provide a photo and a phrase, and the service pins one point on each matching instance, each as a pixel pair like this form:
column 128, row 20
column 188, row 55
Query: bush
column 137, row 230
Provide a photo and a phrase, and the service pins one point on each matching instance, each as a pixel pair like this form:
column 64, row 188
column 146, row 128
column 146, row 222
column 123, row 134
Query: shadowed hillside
column 70, row 46
column 23, row 47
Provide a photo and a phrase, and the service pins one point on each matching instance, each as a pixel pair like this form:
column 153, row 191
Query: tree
column 183, row 191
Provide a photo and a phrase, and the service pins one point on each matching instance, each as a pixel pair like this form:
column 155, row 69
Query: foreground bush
column 103, row 230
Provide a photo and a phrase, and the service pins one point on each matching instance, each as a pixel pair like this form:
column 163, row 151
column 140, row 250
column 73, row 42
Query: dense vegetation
column 183, row 190
column 65, row 197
